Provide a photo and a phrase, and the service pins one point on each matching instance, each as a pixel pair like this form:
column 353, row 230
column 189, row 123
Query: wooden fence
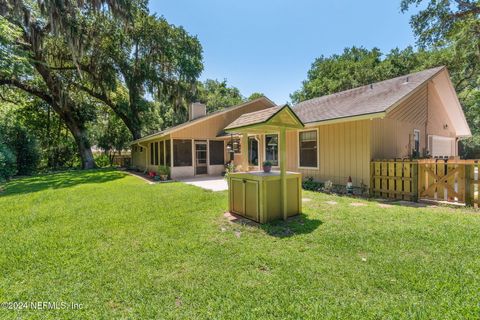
column 454, row 181
column 396, row 179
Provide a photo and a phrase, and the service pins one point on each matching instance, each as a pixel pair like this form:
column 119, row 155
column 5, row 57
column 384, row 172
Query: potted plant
column 267, row 166
column 163, row 172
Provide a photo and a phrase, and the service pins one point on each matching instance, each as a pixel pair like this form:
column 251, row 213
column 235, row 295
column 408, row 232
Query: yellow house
column 415, row 114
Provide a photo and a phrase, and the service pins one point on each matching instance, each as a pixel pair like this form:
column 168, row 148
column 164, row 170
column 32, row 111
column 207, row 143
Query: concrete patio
column 217, row 183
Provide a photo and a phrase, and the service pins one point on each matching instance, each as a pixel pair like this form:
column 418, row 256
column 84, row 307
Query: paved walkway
column 208, row 183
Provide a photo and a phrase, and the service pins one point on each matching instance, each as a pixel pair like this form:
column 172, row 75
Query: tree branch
column 29, row 89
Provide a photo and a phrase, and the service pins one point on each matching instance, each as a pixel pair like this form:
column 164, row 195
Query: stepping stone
column 384, row 205
column 332, row 203
column 306, row 199
column 357, row 204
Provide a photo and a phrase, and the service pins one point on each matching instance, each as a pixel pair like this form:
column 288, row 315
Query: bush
column 8, row 163
column 102, row 160
column 25, row 148
column 163, row 171
column 310, row 184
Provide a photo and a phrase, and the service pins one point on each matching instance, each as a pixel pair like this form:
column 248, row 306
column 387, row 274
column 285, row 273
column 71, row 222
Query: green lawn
column 126, row 249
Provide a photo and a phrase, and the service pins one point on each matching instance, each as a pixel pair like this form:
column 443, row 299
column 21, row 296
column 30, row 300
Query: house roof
column 194, row 121
column 278, row 116
column 253, row 117
column 366, row 100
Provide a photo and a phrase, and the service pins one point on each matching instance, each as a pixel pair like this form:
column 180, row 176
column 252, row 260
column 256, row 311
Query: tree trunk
column 66, row 108
column 81, row 138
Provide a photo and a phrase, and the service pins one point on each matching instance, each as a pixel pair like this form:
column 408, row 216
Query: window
column 217, row 153
column 168, row 153
column 416, row 142
column 252, row 151
column 156, row 154
column 162, row 153
column 234, row 144
column 308, row 149
column 271, row 148
column 151, row 154
column 182, row 153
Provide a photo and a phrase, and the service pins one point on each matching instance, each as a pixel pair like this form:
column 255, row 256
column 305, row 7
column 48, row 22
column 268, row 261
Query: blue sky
column 268, row 46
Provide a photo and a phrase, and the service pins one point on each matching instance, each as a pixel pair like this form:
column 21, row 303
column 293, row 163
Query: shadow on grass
column 296, row 225
column 59, row 180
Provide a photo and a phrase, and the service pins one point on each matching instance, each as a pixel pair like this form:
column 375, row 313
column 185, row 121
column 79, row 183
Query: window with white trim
column 308, row 155
column 416, row 141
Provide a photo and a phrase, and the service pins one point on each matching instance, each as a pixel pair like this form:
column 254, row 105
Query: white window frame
column 419, row 139
column 318, row 149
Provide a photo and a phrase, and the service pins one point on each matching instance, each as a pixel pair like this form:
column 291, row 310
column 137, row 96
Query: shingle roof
column 255, row 117
column 369, row 99
column 209, row 115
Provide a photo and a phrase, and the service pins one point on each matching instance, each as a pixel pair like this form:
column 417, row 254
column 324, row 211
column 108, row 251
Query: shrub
column 25, row 148
column 102, row 160
column 8, row 163
column 310, row 184
column 163, row 171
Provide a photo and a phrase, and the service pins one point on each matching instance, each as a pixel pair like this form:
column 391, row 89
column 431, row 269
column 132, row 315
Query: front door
column 200, row 157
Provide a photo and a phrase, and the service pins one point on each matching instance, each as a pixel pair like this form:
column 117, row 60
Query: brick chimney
column 196, row 110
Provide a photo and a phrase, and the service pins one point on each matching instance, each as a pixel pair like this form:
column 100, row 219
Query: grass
column 126, row 249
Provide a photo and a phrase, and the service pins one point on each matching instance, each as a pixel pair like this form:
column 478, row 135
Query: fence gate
column 449, row 180
column 454, row 181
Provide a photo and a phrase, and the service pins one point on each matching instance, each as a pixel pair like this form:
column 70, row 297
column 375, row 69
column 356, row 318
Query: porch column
column 244, row 147
column 283, row 165
column 165, row 152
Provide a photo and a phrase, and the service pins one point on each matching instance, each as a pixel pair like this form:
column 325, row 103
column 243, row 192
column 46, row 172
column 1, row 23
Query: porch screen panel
column 162, row 153
column 151, row 154
column 216, row 152
column 168, row 153
column 156, row 153
column 182, row 153
column 271, row 148
column 308, row 149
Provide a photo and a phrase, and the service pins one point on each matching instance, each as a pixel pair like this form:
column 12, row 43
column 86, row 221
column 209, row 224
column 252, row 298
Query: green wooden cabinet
column 257, row 195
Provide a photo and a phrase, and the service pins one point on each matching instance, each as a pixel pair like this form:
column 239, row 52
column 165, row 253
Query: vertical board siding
column 344, row 150
column 391, row 136
column 437, row 116
column 424, row 110
column 211, row 127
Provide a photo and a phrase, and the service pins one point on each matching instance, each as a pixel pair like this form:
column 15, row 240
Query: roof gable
column 265, row 100
column 271, row 118
column 370, row 99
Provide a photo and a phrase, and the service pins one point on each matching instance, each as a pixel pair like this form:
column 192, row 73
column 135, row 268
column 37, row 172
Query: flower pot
column 163, row 177
column 267, row 169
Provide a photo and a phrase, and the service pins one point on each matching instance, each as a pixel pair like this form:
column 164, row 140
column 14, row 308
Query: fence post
column 372, row 180
column 414, row 180
column 468, row 194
